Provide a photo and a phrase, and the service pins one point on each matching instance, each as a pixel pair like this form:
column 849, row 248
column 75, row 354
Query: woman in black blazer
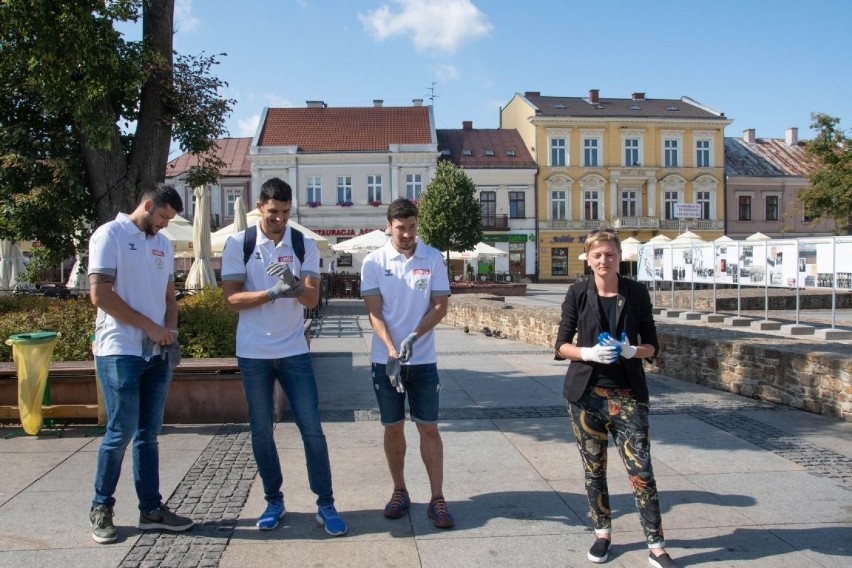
column 606, row 388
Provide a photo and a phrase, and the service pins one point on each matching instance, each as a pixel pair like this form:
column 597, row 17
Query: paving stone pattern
column 218, row 484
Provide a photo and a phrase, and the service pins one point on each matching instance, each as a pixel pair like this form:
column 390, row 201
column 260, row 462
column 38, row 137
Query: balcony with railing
column 573, row 224
column 495, row 222
column 636, row 222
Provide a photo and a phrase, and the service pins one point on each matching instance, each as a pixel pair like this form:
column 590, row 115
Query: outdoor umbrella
column 201, row 274
column 78, row 279
column 240, row 223
column 363, row 243
column 630, row 249
column 220, row 237
column 758, row 237
column 8, row 265
column 481, row 250
column 180, row 234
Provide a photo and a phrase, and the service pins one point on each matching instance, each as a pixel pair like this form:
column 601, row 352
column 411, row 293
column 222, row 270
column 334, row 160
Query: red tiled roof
column 232, row 151
column 346, row 129
column 477, row 141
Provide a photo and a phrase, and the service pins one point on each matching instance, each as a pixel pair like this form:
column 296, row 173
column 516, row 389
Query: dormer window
column 446, row 152
column 489, row 152
column 510, row 153
column 467, row 152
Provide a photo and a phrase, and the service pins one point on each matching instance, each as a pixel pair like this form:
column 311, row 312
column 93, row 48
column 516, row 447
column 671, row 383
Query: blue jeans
column 135, row 397
column 422, row 386
column 296, row 375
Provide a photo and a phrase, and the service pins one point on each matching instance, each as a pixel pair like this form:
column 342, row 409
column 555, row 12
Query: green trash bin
column 32, row 353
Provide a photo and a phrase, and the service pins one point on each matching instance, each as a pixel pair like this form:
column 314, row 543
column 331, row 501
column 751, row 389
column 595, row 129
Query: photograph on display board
column 702, row 263
column 808, row 265
column 757, row 270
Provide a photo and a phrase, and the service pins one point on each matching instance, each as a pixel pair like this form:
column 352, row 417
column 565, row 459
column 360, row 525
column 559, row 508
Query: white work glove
column 406, row 348
column 393, row 371
column 627, row 351
column 605, row 354
column 288, row 286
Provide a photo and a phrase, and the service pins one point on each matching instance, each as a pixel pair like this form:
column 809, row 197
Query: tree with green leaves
column 87, row 116
column 449, row 215
column 830, row 193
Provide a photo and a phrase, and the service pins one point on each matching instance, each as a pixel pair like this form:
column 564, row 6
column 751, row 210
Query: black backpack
column 251, row 239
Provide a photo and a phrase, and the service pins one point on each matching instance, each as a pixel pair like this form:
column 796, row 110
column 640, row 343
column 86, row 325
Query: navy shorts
column 422, row 387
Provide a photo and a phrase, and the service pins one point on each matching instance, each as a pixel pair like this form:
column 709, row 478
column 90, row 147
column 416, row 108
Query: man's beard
column 148, row 226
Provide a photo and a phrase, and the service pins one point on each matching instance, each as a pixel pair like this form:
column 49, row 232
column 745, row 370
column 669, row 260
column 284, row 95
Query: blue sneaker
column 328, row 517
column 270, row 517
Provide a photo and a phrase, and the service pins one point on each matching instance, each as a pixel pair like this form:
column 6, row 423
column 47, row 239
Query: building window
column 703, row 199
column 344, row 189
column 413, row 186
column 557, row 151
column 230, row 202
column 628, row 203
column 591, row 207
column 631, row 152
column 744, row 202
column 374, row 189
column 559, row 262
column 558, row 205
column 314, row 188
column 343, row 259
column 702, row 154
column 670, row 149
column 488, row 207
column 517, row 201
column 670, row 199
column 590, row 152
column 771, row 207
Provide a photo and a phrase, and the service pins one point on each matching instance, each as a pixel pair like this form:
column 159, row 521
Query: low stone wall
column 807, row 374
column 497, row 289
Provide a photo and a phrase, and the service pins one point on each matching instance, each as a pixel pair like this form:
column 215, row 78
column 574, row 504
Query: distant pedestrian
column 131, row 276
column 606, row 389
column 270, row 280
column 406, row 291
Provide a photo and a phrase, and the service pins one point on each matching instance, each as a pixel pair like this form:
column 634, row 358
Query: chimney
column 748, row 135
column 467, row 124
column 316, row 104
column 378, row 103
column 532, row 94
column 792, row 136
column 593, row 95
column 417, row 102
column 638, row 96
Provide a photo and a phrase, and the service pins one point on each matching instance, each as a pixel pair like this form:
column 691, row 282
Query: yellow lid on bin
column 32, row 338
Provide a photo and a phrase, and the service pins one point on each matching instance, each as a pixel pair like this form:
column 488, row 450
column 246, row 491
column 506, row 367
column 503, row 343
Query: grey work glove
column 172, row 351
column 605, row 354
column 393, row 371
column 288, row 286
column 406, row 348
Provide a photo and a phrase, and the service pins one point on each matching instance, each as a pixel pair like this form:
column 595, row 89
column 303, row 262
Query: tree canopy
column 449, row 215
column 830, row 193
column 87, row 116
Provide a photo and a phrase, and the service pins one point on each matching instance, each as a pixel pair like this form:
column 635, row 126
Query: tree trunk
column 114, row 179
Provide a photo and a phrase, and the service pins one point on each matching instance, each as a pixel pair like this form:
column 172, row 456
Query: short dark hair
column 163, row 195
column 277, row 189
column 401, row 209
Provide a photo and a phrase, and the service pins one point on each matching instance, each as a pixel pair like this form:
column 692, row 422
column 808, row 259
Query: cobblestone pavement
column 217, row 486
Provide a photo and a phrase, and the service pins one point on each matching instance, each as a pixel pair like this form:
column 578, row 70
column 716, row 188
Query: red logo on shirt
column 285, row 259
column 421, row 271
column 156, row 252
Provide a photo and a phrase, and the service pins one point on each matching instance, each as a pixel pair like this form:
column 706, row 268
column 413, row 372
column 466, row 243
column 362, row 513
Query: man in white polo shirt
column 131, row 276
column 270, row 286
column 406, row 291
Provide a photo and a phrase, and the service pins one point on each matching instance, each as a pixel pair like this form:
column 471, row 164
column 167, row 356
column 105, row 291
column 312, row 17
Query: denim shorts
column 422, row 387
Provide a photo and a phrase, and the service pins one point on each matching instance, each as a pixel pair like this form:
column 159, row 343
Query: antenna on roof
column 431, row 90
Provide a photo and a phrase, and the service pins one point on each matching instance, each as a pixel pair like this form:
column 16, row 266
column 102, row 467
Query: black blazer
column 581, row 316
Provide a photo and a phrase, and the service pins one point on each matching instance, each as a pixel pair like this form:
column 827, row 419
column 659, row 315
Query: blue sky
column 767, row 64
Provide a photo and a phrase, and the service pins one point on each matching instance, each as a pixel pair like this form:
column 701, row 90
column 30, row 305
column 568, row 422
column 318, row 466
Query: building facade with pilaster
column 641, row 166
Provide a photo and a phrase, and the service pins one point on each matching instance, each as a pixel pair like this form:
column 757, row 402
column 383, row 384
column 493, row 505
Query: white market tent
column 481, row 250
column 362, row 243
column 219, row 238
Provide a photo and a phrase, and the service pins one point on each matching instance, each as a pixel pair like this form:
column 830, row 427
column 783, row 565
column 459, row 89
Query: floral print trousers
column 597, row 414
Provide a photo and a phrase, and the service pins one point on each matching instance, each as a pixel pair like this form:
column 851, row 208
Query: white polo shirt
column 142, row 267
column 407, row 286
column 272, row 330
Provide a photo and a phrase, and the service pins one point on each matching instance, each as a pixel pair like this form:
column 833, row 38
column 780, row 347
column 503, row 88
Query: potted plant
column 313, row 203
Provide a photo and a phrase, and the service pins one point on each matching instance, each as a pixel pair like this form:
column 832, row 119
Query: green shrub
column 206, row 327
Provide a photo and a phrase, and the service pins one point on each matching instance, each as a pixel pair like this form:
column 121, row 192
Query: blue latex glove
column 393, row 371
column 623, row 346
column 288, row 286
column 406, row 348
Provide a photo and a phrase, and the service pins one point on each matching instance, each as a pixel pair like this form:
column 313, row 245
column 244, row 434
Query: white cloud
column 433, row 24
column 248, row 127
column 184, row 20
column 445, row 73
column 277, row 101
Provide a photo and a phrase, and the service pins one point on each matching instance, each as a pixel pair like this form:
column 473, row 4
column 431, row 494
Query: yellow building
column 642, row 166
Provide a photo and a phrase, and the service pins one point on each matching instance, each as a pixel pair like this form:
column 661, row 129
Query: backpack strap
column 297, row 238
column 249, row 242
